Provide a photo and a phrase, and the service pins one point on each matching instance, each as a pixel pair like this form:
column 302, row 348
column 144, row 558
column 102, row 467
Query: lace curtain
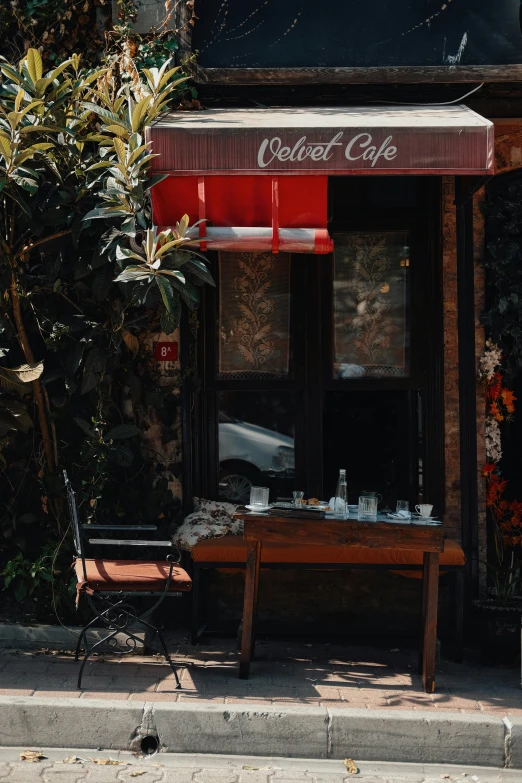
column 254, row 315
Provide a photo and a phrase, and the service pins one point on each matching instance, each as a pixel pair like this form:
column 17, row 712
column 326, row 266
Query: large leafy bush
column 86, row 281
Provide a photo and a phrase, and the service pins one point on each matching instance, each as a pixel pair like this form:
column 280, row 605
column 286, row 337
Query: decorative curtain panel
column 371, row 305
column 254, row 315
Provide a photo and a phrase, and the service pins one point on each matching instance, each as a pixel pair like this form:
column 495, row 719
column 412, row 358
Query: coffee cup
column 424, row 510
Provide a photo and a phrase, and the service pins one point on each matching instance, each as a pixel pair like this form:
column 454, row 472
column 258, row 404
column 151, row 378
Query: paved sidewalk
column 57, row 767
column 284, row 673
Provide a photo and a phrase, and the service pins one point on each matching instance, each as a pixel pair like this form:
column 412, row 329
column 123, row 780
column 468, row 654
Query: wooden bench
column 230, row 552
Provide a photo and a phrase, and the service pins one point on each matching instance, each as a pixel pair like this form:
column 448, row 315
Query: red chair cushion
column 131, row 575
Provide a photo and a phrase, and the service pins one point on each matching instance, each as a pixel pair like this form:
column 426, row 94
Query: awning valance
column 248, row 213
column 359, row 140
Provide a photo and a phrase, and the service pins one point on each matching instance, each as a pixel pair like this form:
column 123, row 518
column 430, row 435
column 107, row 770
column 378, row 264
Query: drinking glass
column 403, row 508
column 367, row 509
column 298, row 498
column 259, row 496
column 369, row 493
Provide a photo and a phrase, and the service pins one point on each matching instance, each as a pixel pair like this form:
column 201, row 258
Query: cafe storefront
column 323, row 346
column 328, row 341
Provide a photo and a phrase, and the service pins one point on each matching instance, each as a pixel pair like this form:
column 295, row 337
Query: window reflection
column 256, row 443
column 371, row 303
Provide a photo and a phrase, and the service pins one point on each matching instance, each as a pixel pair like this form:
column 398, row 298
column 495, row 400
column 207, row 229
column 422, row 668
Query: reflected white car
column 246, row 450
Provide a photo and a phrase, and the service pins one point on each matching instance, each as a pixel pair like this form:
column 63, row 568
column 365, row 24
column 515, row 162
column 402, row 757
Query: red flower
column 489, row 468
column 495, row 411
column 508, row 399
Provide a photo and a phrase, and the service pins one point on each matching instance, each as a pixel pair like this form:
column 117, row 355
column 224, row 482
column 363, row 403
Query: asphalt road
column 82, row 766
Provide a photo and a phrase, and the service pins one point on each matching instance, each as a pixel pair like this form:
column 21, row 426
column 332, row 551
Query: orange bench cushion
column 232, row 549
column 130, row 575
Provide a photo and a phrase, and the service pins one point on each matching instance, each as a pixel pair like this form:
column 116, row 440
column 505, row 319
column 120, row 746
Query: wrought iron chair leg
column 157, row 632
column 79, row 645
column 83, row 634
column 89, row 651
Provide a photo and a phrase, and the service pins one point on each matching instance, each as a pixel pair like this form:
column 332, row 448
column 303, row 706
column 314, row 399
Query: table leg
column 256, row 596
column 430, row 600
column 253, row 558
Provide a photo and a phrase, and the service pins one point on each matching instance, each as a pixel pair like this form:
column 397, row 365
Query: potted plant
column 500, row 615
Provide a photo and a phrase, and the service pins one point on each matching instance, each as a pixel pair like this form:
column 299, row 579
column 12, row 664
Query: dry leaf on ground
column 245, row 766
column 106, row 762
column 72, row 760
column 137, row 773
column 351, row 766
column 32, row 755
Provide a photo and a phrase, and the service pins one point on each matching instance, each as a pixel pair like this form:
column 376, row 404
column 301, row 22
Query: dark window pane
column 377, row 438
column 371, row 303
column 254, row 315
column 256, row 443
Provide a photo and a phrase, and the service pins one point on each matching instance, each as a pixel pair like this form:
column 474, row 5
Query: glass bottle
column 341, row 497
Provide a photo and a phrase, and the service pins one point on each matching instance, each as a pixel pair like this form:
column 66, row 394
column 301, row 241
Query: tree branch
column 37, row 385
column 32, row 245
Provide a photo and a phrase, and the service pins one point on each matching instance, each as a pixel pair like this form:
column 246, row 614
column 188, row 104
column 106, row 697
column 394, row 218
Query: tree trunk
column 37, row 385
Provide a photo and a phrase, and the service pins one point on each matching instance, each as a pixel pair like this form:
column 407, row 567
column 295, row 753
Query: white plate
column 398, row 518
column 258, row 508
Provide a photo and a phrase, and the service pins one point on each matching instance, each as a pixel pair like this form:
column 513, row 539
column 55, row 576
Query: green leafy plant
column 76, row 321
column 505, row 583
column 39, row 578
column 503, row 314
column 166, row 263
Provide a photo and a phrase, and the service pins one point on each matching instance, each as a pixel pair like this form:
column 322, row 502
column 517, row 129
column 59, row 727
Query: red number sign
column 166, row 352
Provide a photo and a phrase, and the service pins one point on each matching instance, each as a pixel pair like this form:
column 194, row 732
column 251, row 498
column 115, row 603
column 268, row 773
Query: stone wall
column 160, row 442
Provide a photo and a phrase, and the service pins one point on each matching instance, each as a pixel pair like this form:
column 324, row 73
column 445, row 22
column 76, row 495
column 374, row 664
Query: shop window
column 254, row 316
column 256, row 443
column 315, row 363
column 371, row 305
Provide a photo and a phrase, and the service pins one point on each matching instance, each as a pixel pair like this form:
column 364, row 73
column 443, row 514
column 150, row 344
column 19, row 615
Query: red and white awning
column 267, row 169
column 248, row 213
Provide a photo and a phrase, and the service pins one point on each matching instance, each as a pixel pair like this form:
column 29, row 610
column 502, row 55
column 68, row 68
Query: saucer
column 399, row 518
column 258, row 508
column 426, row 521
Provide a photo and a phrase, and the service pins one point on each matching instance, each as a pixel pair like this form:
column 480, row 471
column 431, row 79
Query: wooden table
column 264, row 528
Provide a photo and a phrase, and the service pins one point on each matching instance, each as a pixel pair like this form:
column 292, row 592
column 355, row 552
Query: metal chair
column 110, row 585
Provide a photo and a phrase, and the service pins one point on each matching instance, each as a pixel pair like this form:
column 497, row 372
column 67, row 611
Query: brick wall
column 451, row 365
column 451, row 369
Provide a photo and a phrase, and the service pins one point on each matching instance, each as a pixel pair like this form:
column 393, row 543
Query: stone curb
column 247, row 729
column 57, row 637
